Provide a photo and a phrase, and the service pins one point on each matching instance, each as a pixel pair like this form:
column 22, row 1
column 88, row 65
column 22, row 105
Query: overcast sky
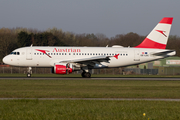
column 110, row 17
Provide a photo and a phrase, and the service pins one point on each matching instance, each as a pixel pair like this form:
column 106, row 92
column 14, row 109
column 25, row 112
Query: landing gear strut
column 85, row 74
column 29, row 72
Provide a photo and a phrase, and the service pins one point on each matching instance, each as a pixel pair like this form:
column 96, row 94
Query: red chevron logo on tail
column 162, row 32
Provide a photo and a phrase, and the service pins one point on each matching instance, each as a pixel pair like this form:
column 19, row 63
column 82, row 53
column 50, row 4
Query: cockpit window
column 15, row 53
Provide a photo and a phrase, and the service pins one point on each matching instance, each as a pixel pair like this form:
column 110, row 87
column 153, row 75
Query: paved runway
column 105, row 78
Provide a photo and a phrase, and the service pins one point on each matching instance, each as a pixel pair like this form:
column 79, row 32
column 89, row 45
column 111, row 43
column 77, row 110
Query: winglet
column 116, row 56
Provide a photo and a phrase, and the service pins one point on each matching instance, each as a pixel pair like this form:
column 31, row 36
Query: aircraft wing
column 91, row 61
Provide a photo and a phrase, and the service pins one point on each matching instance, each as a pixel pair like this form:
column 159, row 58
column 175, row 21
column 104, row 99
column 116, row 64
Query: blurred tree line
column 11, row 39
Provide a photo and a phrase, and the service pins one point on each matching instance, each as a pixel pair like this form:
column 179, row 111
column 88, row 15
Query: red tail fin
column 158, row 36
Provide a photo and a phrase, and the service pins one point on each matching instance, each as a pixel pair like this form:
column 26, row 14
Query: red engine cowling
column 63, row 68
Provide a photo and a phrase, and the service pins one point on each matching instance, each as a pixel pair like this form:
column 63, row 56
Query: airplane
column 65, row 60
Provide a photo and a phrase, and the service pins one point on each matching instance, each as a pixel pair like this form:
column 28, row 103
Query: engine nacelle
column 62, row 68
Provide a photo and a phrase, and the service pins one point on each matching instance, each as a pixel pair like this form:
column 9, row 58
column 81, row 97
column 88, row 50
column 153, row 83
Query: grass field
column 88, row 109
column 88, row 89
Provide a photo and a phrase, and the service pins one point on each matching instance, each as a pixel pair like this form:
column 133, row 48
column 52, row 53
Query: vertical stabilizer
column 158, row 37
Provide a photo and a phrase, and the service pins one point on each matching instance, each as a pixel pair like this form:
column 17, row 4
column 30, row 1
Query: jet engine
column 62, row 68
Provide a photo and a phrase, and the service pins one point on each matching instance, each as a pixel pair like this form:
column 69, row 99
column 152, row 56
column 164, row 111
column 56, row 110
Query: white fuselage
column 34, row 57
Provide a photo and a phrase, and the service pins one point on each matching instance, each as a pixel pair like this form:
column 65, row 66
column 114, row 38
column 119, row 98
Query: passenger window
column 18, row 53
column 59, row 53
column 34, row 53
column 76, row 53
column 82, row 53
column 79, row 53
column 37, row 53
column 62, row 53
column 69, row 53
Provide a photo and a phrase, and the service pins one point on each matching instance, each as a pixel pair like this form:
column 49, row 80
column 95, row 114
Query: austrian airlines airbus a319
column 65, row 60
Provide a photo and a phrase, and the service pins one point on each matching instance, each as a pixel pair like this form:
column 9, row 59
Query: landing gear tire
column 82, row 74
column 86, row 74
column 28, row 75
column 29, row 71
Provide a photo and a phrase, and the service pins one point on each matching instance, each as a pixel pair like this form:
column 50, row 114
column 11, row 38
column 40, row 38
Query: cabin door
column 136, row 55
column 29, row 54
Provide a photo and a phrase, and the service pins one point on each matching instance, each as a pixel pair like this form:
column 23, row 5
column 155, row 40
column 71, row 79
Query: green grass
column 88, row 110
column 89, row 89
column 93, row 75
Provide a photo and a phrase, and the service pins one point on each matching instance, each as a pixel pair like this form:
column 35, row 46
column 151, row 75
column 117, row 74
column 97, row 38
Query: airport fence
column 123, row 71
column 169, row 70
column 23, row 70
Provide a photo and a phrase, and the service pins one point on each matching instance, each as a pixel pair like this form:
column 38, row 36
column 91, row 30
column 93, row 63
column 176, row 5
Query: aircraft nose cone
column 5, row 60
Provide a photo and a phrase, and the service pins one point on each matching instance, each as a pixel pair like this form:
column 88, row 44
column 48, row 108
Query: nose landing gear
column 29, row 72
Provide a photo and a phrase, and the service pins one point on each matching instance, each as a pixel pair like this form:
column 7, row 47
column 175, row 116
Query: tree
column 24, row 39
column 8, row 42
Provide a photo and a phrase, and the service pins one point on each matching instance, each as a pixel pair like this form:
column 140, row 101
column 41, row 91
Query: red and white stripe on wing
column 158, row 36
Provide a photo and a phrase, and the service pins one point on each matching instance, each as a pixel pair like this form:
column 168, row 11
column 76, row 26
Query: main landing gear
column 29, row 72
column 85, row 74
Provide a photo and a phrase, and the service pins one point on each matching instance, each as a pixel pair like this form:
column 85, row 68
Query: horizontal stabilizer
column 165, row 53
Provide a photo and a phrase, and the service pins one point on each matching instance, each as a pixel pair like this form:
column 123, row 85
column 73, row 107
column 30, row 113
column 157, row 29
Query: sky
column 109, row 17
